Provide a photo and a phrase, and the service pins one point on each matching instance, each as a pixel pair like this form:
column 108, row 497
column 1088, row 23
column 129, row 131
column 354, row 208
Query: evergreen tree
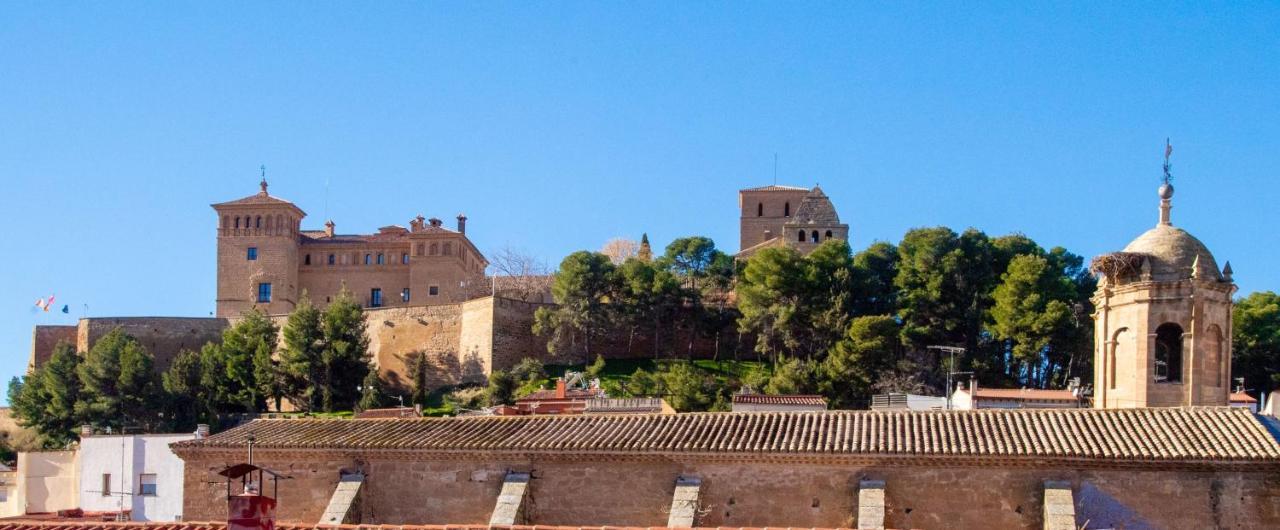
column 873, row 272
column 582, row 288
column 416, row 364
column 771, row 291
column 501, row 389
column 301, row 359
column 1255, row 354
column 187, row 401
column 346, row 353
column 645, row 253
column 868, row 353
column 46, row 399
column 373, row 392
column 790, row 376
column 685, row 387
column 241, row 345
column 119, row 384
column 1031, row 306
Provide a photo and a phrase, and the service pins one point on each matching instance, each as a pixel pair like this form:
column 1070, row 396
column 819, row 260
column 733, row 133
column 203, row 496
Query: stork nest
column 1118, row 265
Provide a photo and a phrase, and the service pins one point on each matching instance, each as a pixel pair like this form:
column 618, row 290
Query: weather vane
column 1168, row 150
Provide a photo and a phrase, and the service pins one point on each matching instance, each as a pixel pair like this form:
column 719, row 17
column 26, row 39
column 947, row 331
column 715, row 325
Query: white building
column 896, row 401
column 137, row 473
column 975, row 397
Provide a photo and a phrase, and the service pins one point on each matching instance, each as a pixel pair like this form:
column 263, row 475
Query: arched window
column 448, row 248
column 814, row 236
column 332, row 258
column 280, row 223
column 786, row 210
column 421, row 249
column 270, row 223
column 828, row 234
column 1168, row 362
column 257, row 223
column 435, row 248
column 368, row 259
column 1116, row 340
column 800, row 236
column 306, row 260
column 1213, row 356
column 760, row 209
column 381, row 261
column 237, row 222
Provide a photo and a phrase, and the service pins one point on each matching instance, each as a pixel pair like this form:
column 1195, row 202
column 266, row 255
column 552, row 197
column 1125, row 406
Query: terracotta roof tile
column 794, row 399
column 1193, row 435
column 1025, row 393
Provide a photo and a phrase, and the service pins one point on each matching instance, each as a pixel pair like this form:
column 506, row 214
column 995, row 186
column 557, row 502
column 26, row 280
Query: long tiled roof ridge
column 1189, row 435
column 21, row 524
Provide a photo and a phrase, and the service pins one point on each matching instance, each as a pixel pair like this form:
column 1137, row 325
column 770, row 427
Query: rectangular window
column 331, row 258
column 404, row 295
column 404, row 258
column 307, row 260
column 106, row 484
column 375, row 297
column 264, row 293
column 433, row 290
column 147, row 484
column 253, row 253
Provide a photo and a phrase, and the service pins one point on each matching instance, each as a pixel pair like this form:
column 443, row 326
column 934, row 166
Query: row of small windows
column 813, row 237
column 786, row 209
column 272, row 224
column 375, row 294
column 380, row 258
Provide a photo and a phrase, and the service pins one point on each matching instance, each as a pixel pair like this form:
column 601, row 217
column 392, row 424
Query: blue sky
column 557, row 126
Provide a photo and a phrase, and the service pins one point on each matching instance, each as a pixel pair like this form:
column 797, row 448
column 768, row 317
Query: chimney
column 202, row 431
column 560, row 390
column 86, row 430
column 973, row 387
column 434, row 222
column 462, row 223
column 328, row 228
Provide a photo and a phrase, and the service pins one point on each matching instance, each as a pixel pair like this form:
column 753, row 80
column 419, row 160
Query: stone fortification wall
column 426, row 489
column 164, row 337
column 44, row 339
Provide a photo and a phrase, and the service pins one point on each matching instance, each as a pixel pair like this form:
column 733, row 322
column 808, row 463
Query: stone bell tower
column 1162, row 329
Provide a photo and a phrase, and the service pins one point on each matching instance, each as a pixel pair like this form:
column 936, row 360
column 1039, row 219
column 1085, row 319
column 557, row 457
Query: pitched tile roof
column 26, row 524
column 1197, row 435
column 1241, row 397
column 794, row 399
column 393, row 412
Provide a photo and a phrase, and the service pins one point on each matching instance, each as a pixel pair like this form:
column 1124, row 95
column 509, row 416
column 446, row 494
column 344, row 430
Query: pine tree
column 301, row 361
column 373, row 392
column 241, row 343
column 346, row 353
column 46, row 399
column 119, row 384
column 186, row 400
column 645, row 253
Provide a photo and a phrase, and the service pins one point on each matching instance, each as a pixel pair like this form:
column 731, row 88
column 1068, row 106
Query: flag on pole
column 1168, row 148
column 40, row 303
column 65, row 309
column 48, row 304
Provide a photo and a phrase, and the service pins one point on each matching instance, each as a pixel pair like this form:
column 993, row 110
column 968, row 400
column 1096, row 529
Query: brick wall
column 420, row 489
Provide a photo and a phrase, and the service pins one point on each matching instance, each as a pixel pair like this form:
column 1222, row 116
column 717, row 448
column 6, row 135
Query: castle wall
column 602, row 490
column 44, row 339
column 164, row 337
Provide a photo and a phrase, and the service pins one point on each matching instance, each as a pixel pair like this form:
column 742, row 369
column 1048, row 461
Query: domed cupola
column 1172, row 253
column 1162, row 328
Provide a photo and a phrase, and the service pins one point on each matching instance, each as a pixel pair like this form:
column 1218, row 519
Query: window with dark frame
column 252, row 253
column 404, row 295
column 434, row 290
column 264, row 293
column 375, row 297
column 147, row 484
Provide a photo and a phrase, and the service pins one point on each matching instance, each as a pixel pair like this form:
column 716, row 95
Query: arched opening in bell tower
column 1168, row 358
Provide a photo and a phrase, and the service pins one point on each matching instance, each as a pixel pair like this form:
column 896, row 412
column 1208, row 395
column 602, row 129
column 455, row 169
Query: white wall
column 126, row 458
column 47, row 481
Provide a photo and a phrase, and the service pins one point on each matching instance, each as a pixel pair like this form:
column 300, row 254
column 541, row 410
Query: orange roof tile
column 1198, row 435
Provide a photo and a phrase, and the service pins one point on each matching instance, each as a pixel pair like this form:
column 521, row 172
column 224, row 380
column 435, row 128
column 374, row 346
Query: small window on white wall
column 106, row 484
column 147, row 484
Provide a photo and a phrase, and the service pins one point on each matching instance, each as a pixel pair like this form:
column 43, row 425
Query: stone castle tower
column 257, row 254
column 800, row 218
column 1162, row 328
